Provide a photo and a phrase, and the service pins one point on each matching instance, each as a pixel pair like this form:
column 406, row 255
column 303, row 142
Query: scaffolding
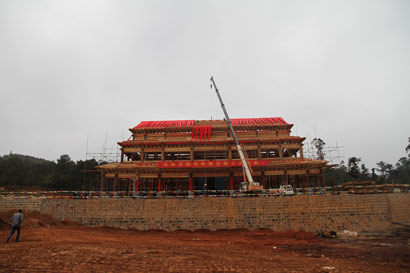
column 107, row 155
column 328, row 153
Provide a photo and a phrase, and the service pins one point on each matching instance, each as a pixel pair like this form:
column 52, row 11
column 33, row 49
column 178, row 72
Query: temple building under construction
column 190, row 155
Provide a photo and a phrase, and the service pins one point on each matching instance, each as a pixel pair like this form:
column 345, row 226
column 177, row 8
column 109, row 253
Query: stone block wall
column 368, row 212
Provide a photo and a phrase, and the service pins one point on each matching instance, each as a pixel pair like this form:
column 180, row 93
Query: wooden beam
column 148, row 175
column 295, row 172
column 275, row 172
column 175, row 174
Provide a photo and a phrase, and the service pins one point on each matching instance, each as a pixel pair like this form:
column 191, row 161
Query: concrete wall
column 369, row 212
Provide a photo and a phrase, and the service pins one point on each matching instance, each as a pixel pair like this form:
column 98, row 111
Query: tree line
column 26, row 171
column 19, row 171
column 355, row 170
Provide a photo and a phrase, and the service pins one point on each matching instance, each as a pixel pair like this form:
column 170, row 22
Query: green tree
column 65, row 176
column 401, row 173
column 385, row 170
column 364, row 172
column 353, row 167
column 374, row 175
column 319, row 145
column 337, row 175
column 88, row 174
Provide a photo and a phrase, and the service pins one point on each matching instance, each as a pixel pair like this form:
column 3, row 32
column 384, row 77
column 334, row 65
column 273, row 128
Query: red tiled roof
column 165, row 123
column 190, row 123
column 258, row 121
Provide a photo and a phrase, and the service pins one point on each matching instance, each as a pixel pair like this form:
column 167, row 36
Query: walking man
column 16, row 221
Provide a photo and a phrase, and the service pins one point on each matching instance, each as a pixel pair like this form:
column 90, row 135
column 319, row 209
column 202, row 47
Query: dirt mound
column 3, row 225
column 32, row 219
column 300, row 235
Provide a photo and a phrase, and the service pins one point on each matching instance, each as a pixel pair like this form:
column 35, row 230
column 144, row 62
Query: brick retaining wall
column 368, row 212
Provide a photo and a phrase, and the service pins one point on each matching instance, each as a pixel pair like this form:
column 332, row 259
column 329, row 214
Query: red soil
column 48, row 245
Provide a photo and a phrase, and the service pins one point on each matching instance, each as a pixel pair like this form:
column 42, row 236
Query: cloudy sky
column 72, row 70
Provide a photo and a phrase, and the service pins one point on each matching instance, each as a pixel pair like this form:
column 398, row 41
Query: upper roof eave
column 188, row 124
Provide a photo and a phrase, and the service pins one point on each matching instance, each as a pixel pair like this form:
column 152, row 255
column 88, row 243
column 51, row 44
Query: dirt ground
column 48, row 245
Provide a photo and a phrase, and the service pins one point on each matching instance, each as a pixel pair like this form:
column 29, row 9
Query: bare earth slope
column 48, row 245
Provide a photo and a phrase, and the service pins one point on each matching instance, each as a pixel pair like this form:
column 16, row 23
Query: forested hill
column 27, row 171
column 27, row 158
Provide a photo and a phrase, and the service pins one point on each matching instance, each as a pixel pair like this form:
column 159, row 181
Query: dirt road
column 51, row 246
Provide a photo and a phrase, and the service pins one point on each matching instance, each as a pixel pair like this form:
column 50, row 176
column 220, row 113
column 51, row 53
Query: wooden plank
column 283, row 133
column 154, row 137
column 250, row 147
column 314, row 171
column 275, row 172
column 109, row 175
column 291, row 146
column 269, row 146
column 211, row 174
column 127, row 175
column 267, row 134
column 178, row 138
column 132, row 150
column 175, row 174
column 177, row 149
column 295, row 172
column 148, row 175
column 151, row 150
column 236, row 174
column 210, row 148
column 129, row 162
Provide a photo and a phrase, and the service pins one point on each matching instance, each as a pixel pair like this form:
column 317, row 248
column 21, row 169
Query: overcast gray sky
column 72, row 69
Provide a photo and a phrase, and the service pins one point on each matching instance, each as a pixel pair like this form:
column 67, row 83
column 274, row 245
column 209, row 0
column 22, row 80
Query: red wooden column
column 231, row 182
column 190, row 184
column 159, row 184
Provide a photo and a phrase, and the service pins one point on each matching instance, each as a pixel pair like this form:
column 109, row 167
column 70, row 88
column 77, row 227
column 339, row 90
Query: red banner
column 211, row 164
column 203, row 132
column 215, row 163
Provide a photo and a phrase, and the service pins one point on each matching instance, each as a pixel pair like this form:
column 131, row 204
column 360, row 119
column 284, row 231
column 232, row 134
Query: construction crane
column 249, row 185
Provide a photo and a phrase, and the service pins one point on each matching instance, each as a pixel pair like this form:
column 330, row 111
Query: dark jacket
column 17, row 219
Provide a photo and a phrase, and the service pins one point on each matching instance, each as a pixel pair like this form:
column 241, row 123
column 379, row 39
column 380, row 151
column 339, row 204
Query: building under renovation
column 190, row 155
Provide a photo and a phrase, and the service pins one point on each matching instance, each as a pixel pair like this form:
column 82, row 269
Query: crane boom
column 251, row 184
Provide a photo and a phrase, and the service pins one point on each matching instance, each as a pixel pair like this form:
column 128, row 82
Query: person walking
column 16, row 221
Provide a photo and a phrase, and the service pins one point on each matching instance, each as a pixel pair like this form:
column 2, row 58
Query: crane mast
column 250, row 185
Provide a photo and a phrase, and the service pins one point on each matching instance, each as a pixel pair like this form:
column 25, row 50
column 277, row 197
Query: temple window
column 177, row 155
column 274, row 153
column 152, row 156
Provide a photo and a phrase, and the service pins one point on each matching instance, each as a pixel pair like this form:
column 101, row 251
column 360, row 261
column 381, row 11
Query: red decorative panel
column 210, row 164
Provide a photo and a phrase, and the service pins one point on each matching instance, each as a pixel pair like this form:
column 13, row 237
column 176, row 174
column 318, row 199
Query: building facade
column 190, row 155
